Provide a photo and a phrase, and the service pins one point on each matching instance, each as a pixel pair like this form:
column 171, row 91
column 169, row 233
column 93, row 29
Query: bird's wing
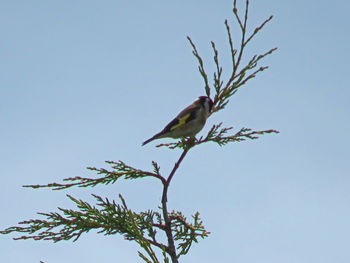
column 183, row 119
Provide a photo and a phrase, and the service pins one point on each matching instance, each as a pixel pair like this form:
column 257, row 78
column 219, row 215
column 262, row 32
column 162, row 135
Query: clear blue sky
column 86, row 81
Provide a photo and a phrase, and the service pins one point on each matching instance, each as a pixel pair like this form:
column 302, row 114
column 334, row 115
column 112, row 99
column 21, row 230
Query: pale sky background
column 86, row 81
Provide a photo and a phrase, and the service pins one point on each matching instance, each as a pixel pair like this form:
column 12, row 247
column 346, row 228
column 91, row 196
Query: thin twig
column 258, row 29
column 200, row 67
column 167, row 220
column 233, row 51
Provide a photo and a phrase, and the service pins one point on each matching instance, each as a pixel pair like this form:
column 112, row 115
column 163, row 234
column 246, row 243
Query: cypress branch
column 109, row 217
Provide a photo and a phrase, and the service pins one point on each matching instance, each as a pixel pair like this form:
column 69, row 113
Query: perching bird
column 188, row 122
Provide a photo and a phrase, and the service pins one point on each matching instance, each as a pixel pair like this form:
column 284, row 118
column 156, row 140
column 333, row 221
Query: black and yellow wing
column 184, row 117
column 179, row 121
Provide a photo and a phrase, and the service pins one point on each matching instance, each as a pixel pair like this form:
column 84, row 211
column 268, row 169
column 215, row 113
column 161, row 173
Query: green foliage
column 120, row 170
column 217, row 135
column 110, row 218
column 185, row 232
column 149, row 227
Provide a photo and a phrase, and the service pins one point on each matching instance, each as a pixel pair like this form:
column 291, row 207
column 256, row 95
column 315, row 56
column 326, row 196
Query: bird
column 188, row 122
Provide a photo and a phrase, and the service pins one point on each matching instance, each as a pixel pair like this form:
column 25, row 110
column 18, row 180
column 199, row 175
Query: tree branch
column 167, row 220
column 109, row 177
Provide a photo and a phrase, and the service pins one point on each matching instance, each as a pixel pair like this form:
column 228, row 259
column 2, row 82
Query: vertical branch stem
column 243, row 43
column 167, row 221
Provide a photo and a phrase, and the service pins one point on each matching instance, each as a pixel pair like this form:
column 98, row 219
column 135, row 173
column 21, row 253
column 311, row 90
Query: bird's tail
column 157, row 136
